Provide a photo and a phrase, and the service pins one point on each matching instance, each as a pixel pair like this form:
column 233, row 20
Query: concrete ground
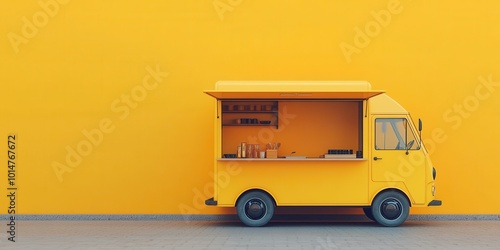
column 180, row 234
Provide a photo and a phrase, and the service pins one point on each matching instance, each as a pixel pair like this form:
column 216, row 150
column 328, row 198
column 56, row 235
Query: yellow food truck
column 317, row 143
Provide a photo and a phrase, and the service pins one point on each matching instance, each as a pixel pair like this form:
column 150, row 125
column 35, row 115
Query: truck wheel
column 390, row 209
column 255, row 209
column 368, row 213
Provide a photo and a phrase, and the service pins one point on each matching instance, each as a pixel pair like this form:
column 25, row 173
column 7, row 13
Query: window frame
column 403, row 136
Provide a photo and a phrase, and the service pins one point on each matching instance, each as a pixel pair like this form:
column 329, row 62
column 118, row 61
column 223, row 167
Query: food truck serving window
column 394, row 134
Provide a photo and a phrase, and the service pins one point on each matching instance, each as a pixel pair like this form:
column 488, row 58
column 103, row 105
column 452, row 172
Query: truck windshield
column 394, row 134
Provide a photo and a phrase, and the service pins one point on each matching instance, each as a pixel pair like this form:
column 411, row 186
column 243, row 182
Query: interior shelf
column 245, row 113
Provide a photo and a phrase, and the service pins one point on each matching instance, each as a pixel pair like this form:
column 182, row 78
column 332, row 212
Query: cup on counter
column 262, row 154
column 359, row 154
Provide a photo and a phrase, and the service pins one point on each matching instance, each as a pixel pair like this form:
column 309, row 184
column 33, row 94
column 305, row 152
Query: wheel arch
column 258, row 190
column 394, row 190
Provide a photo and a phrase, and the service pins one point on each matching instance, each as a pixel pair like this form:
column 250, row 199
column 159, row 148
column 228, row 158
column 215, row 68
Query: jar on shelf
column 256, row 149
column 250, row 150
column 243, row 150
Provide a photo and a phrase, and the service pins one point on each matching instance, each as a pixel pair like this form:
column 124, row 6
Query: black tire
column 390, row 208
column 255, row 209
column 368, row 213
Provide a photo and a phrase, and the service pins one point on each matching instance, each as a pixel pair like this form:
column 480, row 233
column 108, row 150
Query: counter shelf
column 285, row 159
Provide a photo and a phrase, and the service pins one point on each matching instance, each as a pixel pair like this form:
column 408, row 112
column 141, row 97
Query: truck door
column 397, row 156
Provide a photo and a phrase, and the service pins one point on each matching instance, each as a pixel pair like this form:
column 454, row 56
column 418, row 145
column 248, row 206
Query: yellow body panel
column 298, row 182
column 308, row 127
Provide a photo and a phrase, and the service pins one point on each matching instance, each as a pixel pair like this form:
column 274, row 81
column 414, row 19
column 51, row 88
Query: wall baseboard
column 232, row 217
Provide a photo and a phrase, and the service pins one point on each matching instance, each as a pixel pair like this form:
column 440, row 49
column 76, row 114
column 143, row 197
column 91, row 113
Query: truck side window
column 393, row 134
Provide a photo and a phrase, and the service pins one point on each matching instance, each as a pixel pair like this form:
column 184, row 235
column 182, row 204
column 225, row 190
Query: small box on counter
column 271, row 153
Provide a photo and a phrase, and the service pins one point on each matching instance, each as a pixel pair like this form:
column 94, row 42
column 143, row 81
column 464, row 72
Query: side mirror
column 419, row 125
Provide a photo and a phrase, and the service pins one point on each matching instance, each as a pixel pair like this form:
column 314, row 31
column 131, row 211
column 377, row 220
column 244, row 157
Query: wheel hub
column 255, row 209
column 391, row 209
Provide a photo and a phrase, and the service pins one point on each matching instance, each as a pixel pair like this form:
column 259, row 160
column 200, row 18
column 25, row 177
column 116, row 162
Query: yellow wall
column 120, row 84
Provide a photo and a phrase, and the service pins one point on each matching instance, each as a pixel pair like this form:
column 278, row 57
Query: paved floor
column 232, row 235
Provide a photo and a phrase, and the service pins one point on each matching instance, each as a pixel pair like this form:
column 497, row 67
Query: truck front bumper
column 431, row 204
column 211, row 202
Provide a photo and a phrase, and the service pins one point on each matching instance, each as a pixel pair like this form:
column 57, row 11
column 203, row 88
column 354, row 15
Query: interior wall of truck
column 307, row 127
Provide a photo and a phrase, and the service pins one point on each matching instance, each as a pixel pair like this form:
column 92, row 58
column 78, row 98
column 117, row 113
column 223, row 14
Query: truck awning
column 280, row 95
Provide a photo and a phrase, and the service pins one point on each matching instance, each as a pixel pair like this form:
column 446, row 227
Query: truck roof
column 385, row 105
column 293, row 90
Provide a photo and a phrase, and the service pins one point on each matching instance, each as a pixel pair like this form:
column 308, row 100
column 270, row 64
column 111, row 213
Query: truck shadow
column 339, row 223
column 322, row 221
